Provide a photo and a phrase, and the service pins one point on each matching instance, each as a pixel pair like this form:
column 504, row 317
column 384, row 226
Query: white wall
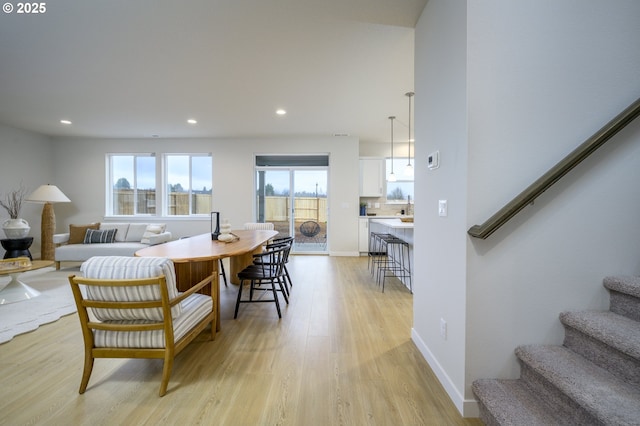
column 377, row 149
column 440, row 242
column 541, row 77
column 80, row 171
column 25, row 159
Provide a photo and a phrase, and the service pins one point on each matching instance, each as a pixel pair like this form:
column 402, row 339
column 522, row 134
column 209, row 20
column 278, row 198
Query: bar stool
column 397, row 261
column 380, row 254
column 377, row 250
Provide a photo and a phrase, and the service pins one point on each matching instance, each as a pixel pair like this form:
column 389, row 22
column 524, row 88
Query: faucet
column 408, row 209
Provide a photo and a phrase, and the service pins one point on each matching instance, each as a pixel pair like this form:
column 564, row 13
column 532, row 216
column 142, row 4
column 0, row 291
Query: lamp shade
column 408, row 170
column 48, row 194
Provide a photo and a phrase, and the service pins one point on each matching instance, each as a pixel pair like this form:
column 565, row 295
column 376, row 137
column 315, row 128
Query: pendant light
column 392, row 176
column 408, row 170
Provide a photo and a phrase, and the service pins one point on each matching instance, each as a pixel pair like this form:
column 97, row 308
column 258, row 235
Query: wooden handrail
column 554, row 174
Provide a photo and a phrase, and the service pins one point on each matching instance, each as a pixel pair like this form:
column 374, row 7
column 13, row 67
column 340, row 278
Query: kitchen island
column 395, row 227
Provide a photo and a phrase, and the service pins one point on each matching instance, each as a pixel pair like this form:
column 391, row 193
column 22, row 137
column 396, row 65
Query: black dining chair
column 265, row 274
column 281, row 242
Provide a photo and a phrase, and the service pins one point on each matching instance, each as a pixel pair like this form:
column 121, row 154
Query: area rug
column 55, row 301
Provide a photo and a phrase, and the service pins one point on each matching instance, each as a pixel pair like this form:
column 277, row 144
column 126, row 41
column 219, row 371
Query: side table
column 17, row 247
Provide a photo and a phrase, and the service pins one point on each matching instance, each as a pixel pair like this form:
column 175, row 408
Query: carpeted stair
column 592, row 379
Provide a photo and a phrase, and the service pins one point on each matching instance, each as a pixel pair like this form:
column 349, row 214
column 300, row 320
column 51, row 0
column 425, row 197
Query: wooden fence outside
column 277, row 208
column 178, row 202
column 305, row 208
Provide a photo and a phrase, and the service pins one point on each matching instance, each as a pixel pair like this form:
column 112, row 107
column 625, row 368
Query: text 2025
column 32, row 8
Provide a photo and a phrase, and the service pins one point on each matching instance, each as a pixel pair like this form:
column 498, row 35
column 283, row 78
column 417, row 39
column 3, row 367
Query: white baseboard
column 344, row 253
column 467, row 408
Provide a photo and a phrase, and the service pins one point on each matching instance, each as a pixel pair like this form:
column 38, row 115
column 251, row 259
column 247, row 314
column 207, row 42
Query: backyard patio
column 310, row 236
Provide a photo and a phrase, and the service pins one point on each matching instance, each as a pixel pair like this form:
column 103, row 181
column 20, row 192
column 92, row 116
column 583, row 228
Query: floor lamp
column 48, row 194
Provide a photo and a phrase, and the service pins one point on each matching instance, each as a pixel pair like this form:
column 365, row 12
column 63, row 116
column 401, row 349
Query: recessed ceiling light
column 65, row 121
column 192, row 121
column 281, row 111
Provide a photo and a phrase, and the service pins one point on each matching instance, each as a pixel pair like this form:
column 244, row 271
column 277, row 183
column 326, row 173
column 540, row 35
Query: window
column 132, row 189
column 400, row 190
column 188, row 182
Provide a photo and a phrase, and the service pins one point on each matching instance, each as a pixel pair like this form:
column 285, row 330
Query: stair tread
column 606, row 397
column 623, row 284
column 511, row 402
column 615, row 330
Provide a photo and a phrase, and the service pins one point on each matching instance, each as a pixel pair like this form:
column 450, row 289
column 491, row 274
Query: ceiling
column 140, row 69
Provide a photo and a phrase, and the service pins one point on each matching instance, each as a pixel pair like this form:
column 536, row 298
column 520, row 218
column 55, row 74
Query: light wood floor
column 341, row 355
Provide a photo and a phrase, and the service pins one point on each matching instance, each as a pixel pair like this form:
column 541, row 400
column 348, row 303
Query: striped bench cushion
column 123, row 267
column 194, row 309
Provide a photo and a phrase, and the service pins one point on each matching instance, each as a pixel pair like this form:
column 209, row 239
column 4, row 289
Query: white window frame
column 400, row 178
column 190, row 191
column 109, row 207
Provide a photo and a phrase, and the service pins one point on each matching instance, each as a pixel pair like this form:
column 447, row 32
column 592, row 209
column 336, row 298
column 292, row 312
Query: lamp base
column 48, row 227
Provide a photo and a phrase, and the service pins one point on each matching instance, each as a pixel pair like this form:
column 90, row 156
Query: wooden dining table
column 197, row 257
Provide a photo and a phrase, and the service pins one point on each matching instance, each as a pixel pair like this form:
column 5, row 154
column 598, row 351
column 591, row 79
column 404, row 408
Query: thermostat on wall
column 433, row 161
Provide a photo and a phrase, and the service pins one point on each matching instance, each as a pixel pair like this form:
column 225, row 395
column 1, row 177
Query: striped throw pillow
column 99, row 236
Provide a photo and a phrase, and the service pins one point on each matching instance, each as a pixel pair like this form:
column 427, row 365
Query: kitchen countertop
column 392, row 222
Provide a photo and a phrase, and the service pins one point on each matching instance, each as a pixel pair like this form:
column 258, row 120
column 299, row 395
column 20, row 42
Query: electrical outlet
column 443, row 328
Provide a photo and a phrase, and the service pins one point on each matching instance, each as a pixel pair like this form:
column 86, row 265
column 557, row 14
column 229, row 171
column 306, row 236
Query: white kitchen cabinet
column 371, row 177
column 363, row 235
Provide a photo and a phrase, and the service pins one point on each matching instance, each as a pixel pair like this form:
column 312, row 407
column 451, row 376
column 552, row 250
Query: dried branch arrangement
column 12, row 201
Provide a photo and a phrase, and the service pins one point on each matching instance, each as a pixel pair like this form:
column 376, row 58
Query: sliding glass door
column 309, row 199
column 294, row 199
column 273, row 199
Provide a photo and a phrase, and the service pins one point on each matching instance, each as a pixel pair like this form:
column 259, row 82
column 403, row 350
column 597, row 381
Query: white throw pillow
column 152, row 229
column 136, row 230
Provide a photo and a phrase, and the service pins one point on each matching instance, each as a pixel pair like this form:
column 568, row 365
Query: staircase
column 592, row 379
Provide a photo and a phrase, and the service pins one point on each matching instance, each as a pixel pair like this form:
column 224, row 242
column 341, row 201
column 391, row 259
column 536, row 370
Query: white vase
column 16, row 228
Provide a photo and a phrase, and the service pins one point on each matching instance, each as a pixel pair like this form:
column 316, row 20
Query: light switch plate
column 433, row 161
column 442, row 208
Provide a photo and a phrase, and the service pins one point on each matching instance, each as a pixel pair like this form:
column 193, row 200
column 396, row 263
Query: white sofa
column 129, row 238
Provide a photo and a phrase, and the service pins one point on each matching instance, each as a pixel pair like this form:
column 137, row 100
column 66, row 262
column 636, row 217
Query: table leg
column 239, row 262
